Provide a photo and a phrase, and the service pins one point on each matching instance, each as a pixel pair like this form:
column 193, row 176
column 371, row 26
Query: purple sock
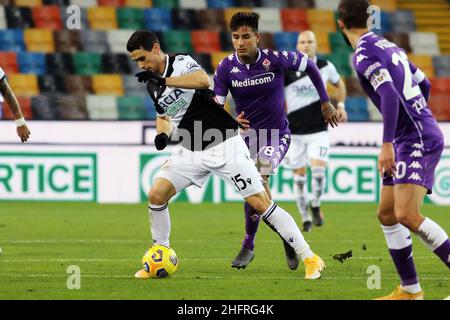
column 404, row 263
column 251, row 226
column 443, row 252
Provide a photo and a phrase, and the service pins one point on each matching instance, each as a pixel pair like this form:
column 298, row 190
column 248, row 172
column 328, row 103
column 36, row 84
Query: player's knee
column 386, row 216
column 406, row 217
column 259, row 203
column 156, row 197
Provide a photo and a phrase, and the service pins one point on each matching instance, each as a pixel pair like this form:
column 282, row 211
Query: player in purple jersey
column 7, row 94
column 412, row 144
column 255, row 79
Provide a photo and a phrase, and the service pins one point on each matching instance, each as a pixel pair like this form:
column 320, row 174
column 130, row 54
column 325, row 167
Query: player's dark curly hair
column 249, row 19
column 142, row 38
column 353, row 13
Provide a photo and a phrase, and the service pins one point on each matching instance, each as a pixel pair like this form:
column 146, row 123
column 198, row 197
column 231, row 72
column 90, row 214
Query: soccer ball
column 160, row 261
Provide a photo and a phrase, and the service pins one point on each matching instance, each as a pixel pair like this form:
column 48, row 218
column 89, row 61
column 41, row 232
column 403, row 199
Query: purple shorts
column 416, row 163
column 268, row 152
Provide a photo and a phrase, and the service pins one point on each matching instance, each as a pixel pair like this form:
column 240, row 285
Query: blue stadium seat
column 356, row 108
column 403, row 21
column 285, row 40
column 12, row 40
column 221, row 4
column 31, row 62
column 385, row 23
column 157, row 19
column 150, row 108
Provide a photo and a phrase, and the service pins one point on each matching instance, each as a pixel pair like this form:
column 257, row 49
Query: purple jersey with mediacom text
column 258, row 90
column 418, row 140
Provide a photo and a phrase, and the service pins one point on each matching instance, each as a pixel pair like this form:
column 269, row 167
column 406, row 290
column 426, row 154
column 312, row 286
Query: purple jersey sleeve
column 377, row 74
column 221, row 82
column 292, row 60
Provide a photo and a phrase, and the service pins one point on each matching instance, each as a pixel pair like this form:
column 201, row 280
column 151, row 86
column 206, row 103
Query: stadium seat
column 76, row 84
column 44, row 107
column 31, row 62
column 117, row 40
column 109, row 84
column 193, row 4
column 440, row 106
column 229, row 12
column 266, row 40
column 116, row 63
column 220, row 4
column 9, row 62
column 374, row 113
column 138, row 3
column 440, row 86
column 386, row 5
column 25, row 106
column 150, row 108
column 24, row 84
column 204, row 59
column 327, row 4
column 39, row 40
column 67, row 16
column 72, row 107
column 87, row 63
column 270, row 19
column 402, row 21
column 300, row 3
column 338, row 44
column 131, row 108
column 157, row 19
column 27, row 3
column 204, row 41
column 247, row 3
column 321, row 20
column 400, row 39
column 442, row 65
column 132, row 87
column 48, row 17
column 285, row 40
column 169, row 4
column 424, row 43
column 353, row 87
column 12, row 40
column 226, row 41
column 130, row 18
column 102, row 18
column 19, row 18
column 356, row 108
column 110, row 3
column 383, row 25
column 216, row 57
column 94, row 41
column 56, row 2
column 60, row 64
column 102, row 107
column 273, row 3
column 341, row 60
column 294, row 20
column 323, row 42
column 424, row 62
column 51, row 84
column 211, row 19
column 176, row 41
column 184, row 19
column 84, row 3
column 67, row 41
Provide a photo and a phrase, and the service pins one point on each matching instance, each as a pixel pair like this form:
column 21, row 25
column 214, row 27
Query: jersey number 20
column 409, row 91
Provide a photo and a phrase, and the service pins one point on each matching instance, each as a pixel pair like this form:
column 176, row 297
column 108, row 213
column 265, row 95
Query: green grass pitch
column 41, row 240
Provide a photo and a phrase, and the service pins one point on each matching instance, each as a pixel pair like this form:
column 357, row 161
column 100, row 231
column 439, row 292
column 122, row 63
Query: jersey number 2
column 409, row 91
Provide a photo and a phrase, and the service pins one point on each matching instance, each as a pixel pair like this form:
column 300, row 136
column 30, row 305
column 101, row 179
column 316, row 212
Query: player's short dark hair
column 142, row 38
column 249, row 19
column 353, row 13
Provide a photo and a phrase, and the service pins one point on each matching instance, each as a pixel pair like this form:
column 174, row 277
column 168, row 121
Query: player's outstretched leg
column 301, row 197
column 282, row 223
column 159, row 196
column 245, row 255
column 318, row 187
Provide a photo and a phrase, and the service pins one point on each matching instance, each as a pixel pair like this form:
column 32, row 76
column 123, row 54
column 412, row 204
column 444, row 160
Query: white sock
column 318, row 184
column 414, row 288
column 159, row 223
column 397, row 236
column 431, row 234
column 301, row 196
column 282, row 223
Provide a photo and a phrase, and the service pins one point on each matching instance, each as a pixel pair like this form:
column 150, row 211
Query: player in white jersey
column 210, row 143
column 309, row 132
column 8, row 95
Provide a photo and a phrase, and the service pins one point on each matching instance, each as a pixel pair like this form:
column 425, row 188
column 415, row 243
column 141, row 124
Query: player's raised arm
column 22, row 130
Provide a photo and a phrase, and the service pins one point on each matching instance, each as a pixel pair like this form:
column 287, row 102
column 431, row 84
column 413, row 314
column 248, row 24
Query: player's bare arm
column 196, row 80
column 22, row 130
column 163, row 130
column 341, row 94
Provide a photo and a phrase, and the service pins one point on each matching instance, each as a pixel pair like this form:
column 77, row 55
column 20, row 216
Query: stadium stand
column 78, row 74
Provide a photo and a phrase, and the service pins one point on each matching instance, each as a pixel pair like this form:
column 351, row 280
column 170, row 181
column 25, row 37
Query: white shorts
column 230, row 160
column 307, row 146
